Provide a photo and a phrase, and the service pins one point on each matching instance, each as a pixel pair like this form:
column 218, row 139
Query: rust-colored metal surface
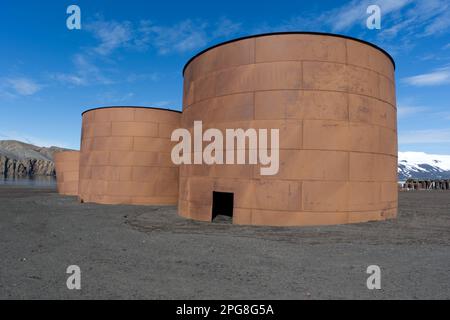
column 66, row 167
column 333, row 101
column 125, row 156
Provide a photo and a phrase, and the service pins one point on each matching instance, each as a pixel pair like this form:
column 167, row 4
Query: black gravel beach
column 139, row 252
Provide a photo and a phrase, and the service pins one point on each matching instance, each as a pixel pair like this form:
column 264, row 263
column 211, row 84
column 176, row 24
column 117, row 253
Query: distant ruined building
column 417, row 184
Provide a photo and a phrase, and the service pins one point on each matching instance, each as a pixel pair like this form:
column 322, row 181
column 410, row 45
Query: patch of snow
column 413, row 160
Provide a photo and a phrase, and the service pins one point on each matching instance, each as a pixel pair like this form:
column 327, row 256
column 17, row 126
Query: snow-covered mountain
column 420, row 165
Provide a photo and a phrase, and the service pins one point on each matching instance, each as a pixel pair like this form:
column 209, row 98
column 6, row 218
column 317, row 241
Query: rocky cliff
column 18, row 159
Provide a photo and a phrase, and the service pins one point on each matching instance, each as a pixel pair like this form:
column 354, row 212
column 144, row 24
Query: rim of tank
column 130, row 107
column 287, row 33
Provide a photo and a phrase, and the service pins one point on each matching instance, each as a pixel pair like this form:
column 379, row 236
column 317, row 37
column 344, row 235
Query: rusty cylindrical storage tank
column 125, row 156
column 66, row 167
column 332, row 99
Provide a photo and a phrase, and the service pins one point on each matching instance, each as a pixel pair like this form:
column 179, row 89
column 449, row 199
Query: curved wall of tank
column 66, row 167
column 125, row 156
column 332, row 99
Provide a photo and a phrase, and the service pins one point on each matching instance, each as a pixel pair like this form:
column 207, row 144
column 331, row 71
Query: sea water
column 38, row 181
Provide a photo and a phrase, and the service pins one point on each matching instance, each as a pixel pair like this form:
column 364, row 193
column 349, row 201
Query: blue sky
column 132, row 53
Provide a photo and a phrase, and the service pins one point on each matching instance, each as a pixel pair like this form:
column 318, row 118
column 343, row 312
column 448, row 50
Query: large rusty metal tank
column 125, row 156
column 66, row 167
column 332, row 99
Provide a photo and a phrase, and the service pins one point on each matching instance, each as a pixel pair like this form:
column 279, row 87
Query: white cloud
column 402, row 21
column 306, row 22
column 111, row 34
column 19, row 85
column 184, row 36
column 408, row 16
column 393, row 30
column 153, row 76
column 72, row 79
column 162, row 104
column 442, row 115
column 348, row 16
column 421, row 18
column 113, row 98
column 404, row 111
column 85, row 73
column 434, row 78
column 225, row 28
column 430, row 136
column 353, row 13
column 345, row 17
column 441, row 21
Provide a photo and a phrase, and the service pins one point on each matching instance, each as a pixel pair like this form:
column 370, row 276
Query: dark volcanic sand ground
column 149, row 252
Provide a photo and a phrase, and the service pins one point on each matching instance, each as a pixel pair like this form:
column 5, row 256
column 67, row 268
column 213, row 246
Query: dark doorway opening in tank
column 222, row 207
